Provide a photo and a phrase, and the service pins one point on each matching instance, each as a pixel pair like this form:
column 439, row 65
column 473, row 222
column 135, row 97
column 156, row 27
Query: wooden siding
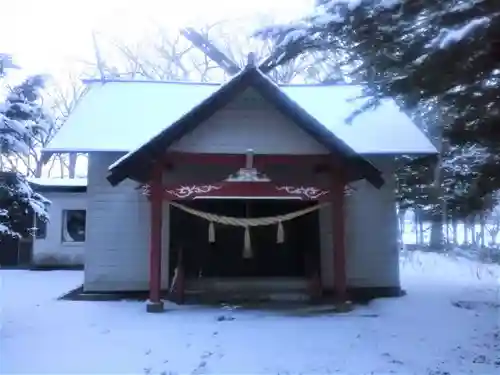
column 51, row 250
column 249, row 123
column 117, row 232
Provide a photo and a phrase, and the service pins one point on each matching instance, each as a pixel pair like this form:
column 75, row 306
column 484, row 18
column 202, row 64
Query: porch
column 226, row 268
column 246, row 236
column 248, row 139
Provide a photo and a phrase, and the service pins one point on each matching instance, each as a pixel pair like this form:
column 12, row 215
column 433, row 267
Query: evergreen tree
column 439, row 61
column 22, row 120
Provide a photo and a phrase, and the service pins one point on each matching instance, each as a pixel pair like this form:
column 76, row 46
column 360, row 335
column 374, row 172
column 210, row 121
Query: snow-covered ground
column 421, row 333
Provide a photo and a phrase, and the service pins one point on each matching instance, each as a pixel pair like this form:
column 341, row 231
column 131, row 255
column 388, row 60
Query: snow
column 350, row 4
column 146, row 108
column 45, row 181
column 20, row 189
column 121, row 116
column 383, row 130
column 36, row 201
column 338, row 11
column 445, row 325
column 14, row 131
column 4, row 228
column 389, row 4
column 294, row 35
column 448, row 37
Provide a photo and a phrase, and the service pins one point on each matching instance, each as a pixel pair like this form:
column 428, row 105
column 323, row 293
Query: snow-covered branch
column 24, row 125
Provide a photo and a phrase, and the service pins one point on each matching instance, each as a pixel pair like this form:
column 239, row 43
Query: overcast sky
column 47, row 35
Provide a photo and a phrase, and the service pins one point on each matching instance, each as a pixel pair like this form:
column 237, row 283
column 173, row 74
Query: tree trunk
column 436, row 240
column 482, row 236
column 472, row 228
column 454, row 229
column 466, row 232
column 420, row 225
column 415, row 225
column 401, row 217
column 446, row 232
column 61, row 165
column 72, row 165
column 38, row 168
column 494, row 235
column 436, row 237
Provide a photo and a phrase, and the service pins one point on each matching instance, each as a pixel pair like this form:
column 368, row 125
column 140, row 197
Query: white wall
column 249, row 122
column 118, row 219
column 51, row 250
column 371, row 236
column 372, row 251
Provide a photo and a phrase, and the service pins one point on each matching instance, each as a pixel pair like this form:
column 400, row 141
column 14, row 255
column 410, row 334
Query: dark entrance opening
column 298, row 256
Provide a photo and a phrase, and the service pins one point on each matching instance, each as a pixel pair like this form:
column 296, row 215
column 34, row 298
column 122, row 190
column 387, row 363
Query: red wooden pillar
column 155, row 304
column 339, row 247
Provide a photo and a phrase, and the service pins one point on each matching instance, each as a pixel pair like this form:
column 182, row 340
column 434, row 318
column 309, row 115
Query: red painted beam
column 339, row 246
column 156, row 200
column 238, row 160
column 243, row 189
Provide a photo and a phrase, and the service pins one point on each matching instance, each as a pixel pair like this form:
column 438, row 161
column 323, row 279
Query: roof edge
column 198, row 114
column 194, row 83
column 88, row 81
column 249, row 77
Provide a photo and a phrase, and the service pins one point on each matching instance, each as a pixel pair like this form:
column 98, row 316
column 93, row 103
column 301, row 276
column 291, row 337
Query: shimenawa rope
column 247, row 222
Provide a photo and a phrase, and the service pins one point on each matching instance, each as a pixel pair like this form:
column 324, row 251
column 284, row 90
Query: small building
column 242, row 188
column 60, row 243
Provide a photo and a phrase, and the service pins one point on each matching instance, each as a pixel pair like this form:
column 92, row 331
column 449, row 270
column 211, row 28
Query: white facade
column 118, row 219
column 61, row 246
column 117, row 255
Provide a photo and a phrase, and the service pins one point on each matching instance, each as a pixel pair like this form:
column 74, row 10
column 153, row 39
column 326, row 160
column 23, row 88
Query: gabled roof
column 119, row 116
column 144, row 108
column 138, row 163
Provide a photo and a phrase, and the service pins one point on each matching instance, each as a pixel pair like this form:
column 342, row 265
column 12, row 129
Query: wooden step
column 247, row 289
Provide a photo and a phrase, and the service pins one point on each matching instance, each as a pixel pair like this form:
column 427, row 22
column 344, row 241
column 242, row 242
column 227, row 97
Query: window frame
column 66, row 237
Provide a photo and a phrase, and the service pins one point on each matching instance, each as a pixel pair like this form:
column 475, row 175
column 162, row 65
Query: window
column 73, row 226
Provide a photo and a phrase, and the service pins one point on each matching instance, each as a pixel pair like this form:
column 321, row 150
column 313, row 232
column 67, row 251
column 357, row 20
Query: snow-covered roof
column 58, row 182
column 123, row 115
column 384, row 130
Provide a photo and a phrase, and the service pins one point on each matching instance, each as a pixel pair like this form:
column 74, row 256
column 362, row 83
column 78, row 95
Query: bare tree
column 164, row 56
column 212, row 53
column 63, row 99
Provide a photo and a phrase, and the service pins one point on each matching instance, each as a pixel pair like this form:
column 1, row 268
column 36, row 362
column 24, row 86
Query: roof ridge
column 193, row 83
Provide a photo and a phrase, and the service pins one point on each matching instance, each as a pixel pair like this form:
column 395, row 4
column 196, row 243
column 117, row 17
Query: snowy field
column 447, row 324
